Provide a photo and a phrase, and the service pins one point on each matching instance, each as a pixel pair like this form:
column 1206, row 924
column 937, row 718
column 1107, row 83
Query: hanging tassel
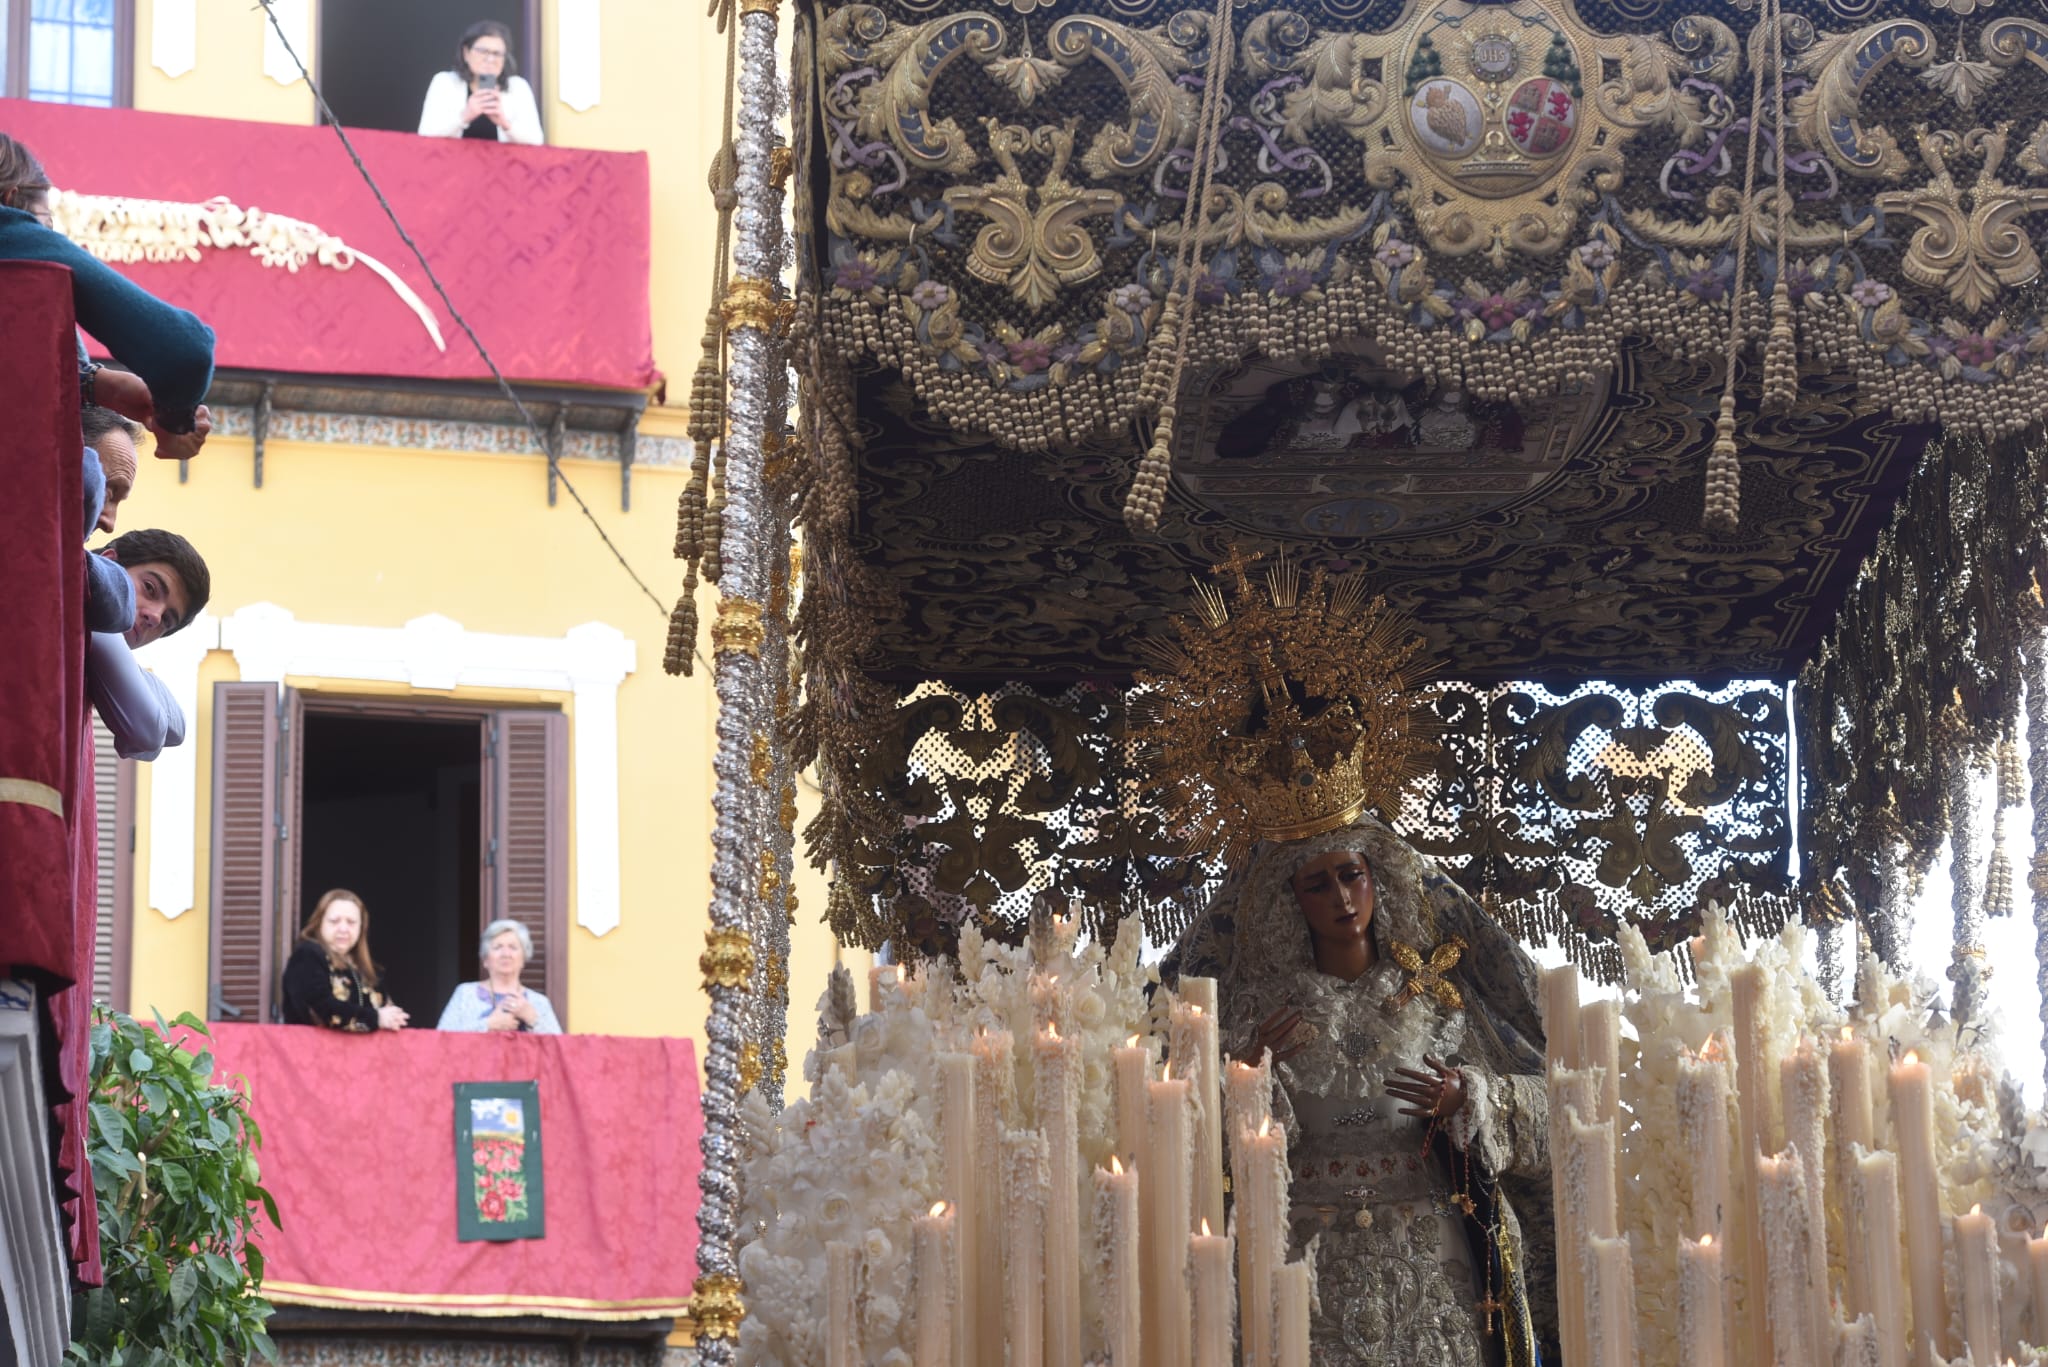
column 1724, row 475
column 1781, row 352
column 707, row 387
column 1148, row 489
column 714, row 520
column 680, row 654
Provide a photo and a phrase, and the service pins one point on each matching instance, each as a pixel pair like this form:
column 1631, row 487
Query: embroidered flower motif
column 1975, row 349
column 1290, row 282
column 1799, row 282
column 857, row 276
column 1131, row 298
column 1210, row 289
column 928, row 294
column 1597, row 254
column 1029, row 354
column 993, row 353
column 1394, row 254
column 1706, row 285
column 1870, row 293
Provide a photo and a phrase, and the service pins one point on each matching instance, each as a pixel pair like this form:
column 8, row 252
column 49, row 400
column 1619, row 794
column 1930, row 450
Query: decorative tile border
column 296, row 1350
column 441, row 434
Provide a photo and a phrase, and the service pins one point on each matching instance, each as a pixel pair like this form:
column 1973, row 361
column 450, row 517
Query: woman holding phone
column 483, row 95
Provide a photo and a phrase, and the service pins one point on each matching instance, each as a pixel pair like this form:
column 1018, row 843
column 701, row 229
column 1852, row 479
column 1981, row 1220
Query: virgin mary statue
column 1401, row 1019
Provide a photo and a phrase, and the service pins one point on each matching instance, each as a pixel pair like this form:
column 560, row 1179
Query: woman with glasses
column 483, row 95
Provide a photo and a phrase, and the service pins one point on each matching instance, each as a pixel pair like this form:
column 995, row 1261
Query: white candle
column 842, row 1333
column 1702, row 1097
column 1912, row 1099
column 1198, row 1059
column 1259, row 1161
column 1291, row 1299
column 995, row 1110
column 1755, row 1088
column 1781, row 1197
column 932, row 1256
column 1560, row 990
column 1701, row 1332
column 880, row 978
column 1026, row 1185
column 1856, row 1343
column 1611, row 1303
column 962, row 1189
column 1057, row 1059
column 1213, row 1330
column 1803, row 1081
column 1600, row 1047
column 1876, row 1201
column 1849, row 1099
column 1133, row 1070
column 1116, row 1232
column 1167, row 1324
column 2037, row 1264
column 1977, row 1267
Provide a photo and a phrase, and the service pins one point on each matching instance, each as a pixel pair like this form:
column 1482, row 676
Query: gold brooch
column 1427, row 975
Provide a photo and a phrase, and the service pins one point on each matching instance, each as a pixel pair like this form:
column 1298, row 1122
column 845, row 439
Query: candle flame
column 1911, row 1057
column 1205, row 1227
column 1977, row 1209
column 1116, row 1165
column 1166, row 1071
column 1052, row 1030
column 1265, row 1125
column 1194, row 1010
column 1713, row 1049
column 1131, row 1043
column 938, row 1209
column 1847, row 1034
column 1706, row 1241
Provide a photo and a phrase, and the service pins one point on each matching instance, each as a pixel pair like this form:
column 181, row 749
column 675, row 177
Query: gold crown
column 1283, row 709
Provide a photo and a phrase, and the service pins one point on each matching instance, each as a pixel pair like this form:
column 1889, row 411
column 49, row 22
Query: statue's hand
column 1280, row 1032
column 1433, row 1095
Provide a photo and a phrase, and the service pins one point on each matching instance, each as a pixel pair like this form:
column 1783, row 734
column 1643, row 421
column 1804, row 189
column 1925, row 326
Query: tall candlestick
column 1611, row 1301
column 1027, row 1182
column 1788, row 1237
column 1116, row 1231
column 1701, row 1329
column 1195, row 1051
column 1167, row 1324
column 1291, row 1298
column 1875, row 1189
column 1702, row 1096
column 962, row 1189
column 842, row 1333
column 1912, row 1099
column 1977, row 1267
column 1849, row 1098
column 932, row 1256
column 2037, row 1265
column 995, row 1110
column 1600, row 1045
column 1259, row 1163
column 1803, row 1083
column 1133, row 1070
column 1560, row 991
column 1756, row 1109
column 1210, row 1254
column 1057, row 1058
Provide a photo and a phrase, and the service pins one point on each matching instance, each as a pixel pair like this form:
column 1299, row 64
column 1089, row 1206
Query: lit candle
column 842, row 1334
column 1702, row 1096
column 1912, row 1099
column 1781, row 1197
column 2037, row 1264
column 1116, row 1231
column 1977, row 1268
column 1195, row 1049
column 1166, row 1230
column 962, row 1187
column 1291, row 1299
column 995, row 1110
column 1057, row 1059
column 880, row 978
column 1133, row 1070
column 1876, row 1202
column 1701, row 1333
column 932, row 1256
column 1803, row 1081
column 1849, row 1098
column 1026, row 1185
column 1755, row 1093
column 1214, row 1331
column 1259, row 1162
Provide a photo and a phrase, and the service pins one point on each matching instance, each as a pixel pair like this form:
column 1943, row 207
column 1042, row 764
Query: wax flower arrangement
column 861, row 1160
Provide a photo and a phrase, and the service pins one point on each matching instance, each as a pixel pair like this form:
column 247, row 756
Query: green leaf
column 184, row 1282
column 191, row 1022
column 138, row 1061
column 262, row 1344
column 270, row 1207
column 176, row 1179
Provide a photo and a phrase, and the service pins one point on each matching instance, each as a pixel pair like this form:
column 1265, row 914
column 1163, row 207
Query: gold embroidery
column 1428, row 976
column 340, row 986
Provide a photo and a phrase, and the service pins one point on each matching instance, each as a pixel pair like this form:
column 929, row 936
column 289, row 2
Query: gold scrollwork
column 750, row 1066
column 1972, row 249
column 751, row 303
column 771, row 878
column 717, row 1307
column 728, row 957
column 1034, row 241
column 762, row 763
column 738, row 627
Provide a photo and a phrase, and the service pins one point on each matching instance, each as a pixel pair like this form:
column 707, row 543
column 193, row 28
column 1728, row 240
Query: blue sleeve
column 109, row 595
column 136, row 706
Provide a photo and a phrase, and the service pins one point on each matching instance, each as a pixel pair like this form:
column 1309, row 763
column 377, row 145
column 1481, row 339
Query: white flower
column 875, row 1246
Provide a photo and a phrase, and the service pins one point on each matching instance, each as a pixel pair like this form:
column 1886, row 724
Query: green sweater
column 169, row 348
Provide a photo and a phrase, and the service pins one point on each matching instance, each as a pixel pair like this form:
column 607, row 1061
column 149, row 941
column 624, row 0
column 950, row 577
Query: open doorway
column 377, row 56
column 393, row 810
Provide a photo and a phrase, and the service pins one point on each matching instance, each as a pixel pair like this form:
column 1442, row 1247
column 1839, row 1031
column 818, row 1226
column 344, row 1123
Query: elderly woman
column 498, row 1001
column 483, row 96
column 330, row 980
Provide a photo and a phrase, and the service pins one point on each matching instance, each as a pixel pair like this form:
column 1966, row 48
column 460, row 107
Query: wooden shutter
column 289, row 915
column 527, row 854
column 243, row 889
column 114, row 802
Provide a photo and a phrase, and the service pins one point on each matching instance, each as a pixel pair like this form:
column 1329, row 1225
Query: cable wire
column 504, row 385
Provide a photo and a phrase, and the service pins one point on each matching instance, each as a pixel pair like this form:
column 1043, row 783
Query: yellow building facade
column 371, row 565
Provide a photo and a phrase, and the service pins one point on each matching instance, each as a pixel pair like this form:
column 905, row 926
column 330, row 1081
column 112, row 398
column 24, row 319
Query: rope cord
column 504, row 385
column 1724, row 472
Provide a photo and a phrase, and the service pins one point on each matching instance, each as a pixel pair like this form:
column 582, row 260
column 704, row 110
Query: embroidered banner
column 497, row 1149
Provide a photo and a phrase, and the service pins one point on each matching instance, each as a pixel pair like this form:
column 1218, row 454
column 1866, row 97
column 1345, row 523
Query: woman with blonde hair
column 330, row 980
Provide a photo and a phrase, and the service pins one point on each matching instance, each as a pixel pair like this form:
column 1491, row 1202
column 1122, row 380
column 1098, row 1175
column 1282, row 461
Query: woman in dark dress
column 330, row 981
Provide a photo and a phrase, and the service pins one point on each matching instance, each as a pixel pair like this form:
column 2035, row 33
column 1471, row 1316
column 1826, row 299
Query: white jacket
column 441, row 115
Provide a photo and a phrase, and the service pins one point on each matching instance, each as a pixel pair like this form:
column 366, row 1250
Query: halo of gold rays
column 1263, row 663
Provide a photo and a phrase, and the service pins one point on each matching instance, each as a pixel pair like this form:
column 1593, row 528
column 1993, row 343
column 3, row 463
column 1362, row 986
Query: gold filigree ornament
column 1429, row 976
column 738, row 626
column 1034, row 241
column 1972, row 242
column 750, row 1066
column 751, row 303
column 1284, row 709
column 717, row 1308
column 728, row 957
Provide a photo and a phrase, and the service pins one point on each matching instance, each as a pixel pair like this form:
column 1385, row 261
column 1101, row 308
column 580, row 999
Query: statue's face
column 1336, row 896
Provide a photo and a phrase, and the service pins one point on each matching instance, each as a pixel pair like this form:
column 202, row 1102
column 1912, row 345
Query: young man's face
column 117, row 459
column 161, row 603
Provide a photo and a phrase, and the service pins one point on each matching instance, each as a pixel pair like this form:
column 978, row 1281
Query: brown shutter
column 243, row 889
column 113, row 788
column 528, row 853
column 291, row 808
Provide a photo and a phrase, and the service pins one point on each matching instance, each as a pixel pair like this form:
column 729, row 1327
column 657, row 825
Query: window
column 68, row 51
column 113, row 791
column 377, row 57
column 441, row 817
